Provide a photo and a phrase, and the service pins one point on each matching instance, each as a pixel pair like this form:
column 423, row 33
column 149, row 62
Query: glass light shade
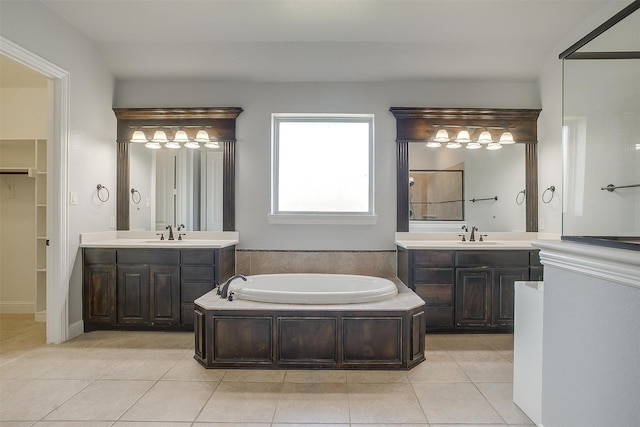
column 442, row 136
column 506, row 138
column 192, row 144
column 152, row 145
column 181, row 136
column 138, row 136
column 212, row 144
column 159, row 136
column 473, row 146
column 453, row 145
column 638, row 146
column 202, row 136
column 463, row 136
column 173, row 144
column 433, row 144
column 494, row 146
column 485, row 137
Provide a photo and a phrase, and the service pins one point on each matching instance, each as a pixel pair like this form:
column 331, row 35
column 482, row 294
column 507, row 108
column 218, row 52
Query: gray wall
column 253, row 153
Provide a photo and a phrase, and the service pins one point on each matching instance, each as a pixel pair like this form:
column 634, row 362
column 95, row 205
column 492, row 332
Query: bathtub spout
column 223, row 290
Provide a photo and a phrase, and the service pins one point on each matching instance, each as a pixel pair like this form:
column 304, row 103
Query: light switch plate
column 73, row 198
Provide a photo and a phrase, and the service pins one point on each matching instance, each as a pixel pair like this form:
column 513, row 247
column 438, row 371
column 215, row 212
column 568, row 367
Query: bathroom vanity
column 467, row 286
column 146, row 284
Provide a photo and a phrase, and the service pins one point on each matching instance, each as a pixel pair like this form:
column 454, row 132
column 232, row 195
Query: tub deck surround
column 386, row 334
column 151, row 239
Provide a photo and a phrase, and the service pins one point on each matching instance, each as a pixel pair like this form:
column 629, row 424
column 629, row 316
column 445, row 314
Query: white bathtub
column 313, row 288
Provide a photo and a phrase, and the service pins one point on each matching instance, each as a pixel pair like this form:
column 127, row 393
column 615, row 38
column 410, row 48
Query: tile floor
column 150, row 379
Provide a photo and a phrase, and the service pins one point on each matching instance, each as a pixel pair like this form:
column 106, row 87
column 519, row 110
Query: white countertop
column 150, row 239
column 452, row 241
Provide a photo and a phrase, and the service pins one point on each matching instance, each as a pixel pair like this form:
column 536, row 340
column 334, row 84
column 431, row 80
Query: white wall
column 92, row 124
column 253, row 153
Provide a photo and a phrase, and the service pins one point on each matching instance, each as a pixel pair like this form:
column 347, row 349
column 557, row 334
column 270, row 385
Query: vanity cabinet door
column 473, row 297
column 164, row 294
column 504, row 294
column 99, row 287
column 133, row 295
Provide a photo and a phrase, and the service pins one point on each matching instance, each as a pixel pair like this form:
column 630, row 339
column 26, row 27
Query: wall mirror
column 436, row 195
column 496, row 148
column 176, row 166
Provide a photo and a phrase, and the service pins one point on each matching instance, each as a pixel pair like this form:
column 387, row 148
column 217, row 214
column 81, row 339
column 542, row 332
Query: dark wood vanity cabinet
column 149, row 288
column 467, row 290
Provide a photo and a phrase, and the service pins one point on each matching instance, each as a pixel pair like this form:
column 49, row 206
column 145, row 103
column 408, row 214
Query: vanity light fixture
column 485, row 137
column 181, row 136
column 138, row 136
column 212, row 144
column 506, row 138
column 159, row 136
column 494, row 146
column 463, row 136
column 473, row 146
column 202, row 136
column 172, row 144
column 453, row 144
column 152, row 145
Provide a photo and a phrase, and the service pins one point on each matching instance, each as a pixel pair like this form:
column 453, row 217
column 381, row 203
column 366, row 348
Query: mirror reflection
column 487, row 175
column 436, row 195
column 176, row 186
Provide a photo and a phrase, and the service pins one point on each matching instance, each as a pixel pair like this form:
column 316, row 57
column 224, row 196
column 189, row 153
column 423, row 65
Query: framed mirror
column 423, row 125
column 176, row 166
column 436, row 195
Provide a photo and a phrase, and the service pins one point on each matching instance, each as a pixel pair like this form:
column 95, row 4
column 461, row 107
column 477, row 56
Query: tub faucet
column 168, row 227
column 223, row 290
column 472, row 238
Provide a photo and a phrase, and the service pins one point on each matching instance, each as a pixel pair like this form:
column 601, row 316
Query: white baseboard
column 41, row 316
column 76, row 329
column 17, row 307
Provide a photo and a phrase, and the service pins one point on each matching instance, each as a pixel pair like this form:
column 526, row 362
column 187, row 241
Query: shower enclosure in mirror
column 176, row 166
column 436, row 195
column 601, row 133
column 496, row 149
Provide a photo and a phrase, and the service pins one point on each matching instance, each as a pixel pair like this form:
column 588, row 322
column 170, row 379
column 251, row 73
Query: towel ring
column 524, row 195
column 552, row 189
column 135, row 199
column 100, row 188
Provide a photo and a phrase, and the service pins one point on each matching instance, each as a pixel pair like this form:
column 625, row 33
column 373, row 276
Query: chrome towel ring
column 100, row 196
column 519, row 200
column 135, row 199
column 551, row 189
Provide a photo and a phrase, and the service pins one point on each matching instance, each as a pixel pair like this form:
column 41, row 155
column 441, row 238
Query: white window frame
column 320, row 217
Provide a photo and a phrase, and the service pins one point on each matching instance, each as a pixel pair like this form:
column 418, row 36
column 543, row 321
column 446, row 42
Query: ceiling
column 326, row 40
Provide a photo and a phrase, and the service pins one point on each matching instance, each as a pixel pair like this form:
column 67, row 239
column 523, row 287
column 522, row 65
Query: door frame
column 58, row 257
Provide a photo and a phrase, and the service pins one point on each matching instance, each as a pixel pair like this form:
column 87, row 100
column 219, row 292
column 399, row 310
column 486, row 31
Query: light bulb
column 138, row 136
column 172, row 144
column 212, row 144
column 152, row 145
column 453, row 145
column 202, row 136
column 192, row 144
column 494, row 146
column 473, row 146
column 442, row 136
column 181, row 136
column 506, row 138
column 485, row 137
column 433, row 144
column 463, row 136
column 159, row 136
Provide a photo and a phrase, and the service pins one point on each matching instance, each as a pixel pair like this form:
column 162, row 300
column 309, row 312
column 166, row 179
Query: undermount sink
column 171, row 242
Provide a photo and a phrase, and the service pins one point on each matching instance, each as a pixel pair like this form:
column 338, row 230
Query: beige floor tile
column 455, row 403
column 190, row 370
column 80, row 369
column 499, row 341
column 462, row 342
column 389, row 425
column 242, row 403
column 139, row 370
column 489, row 371
column 439, row 367
column 254, row 376
column 103, row 400
column 379, row 377
column 16, row 423
column 316, row 376
column 68, row 423
column 384, row 403
column 172, row 401
column 37, row 398
column 242, row 425
column 22, row 368
column 149, row 424
column 312, row 403
column 500, row 395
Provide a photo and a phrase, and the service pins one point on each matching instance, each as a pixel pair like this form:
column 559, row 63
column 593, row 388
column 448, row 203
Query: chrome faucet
column 465, row 228
column 180, row 227
column 168, row 227
column 223, row 290
column 472, row 238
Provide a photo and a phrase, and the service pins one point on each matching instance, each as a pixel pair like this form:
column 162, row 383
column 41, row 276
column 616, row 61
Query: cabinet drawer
column 534, row 258
column 99, row 256
column 190, row 291
column 198, row 273
column 198, row 256
column 492, row 258
column 439, row 317
column 433, row 275
column 151, row 256
column 433, row 258
column 436, row 294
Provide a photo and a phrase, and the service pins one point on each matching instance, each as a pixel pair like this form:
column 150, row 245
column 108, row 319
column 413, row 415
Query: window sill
column 323, row 219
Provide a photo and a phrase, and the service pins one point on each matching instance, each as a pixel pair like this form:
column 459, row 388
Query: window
column 322, row 169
